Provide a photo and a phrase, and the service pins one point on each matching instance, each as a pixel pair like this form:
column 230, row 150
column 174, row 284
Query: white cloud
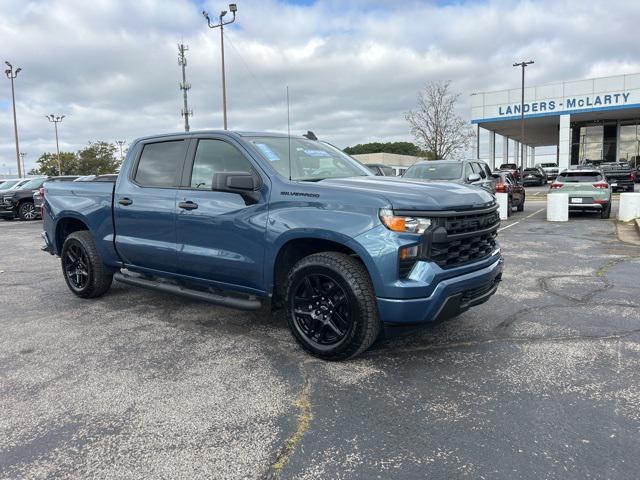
column 353, row 67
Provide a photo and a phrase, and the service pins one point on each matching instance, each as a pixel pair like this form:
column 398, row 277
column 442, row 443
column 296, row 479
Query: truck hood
column 405, row 194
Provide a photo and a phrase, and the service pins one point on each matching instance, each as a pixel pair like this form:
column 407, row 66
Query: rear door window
column 159, row 163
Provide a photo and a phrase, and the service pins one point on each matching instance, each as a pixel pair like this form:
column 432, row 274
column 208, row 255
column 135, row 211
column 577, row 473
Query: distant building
column 399, row 163
column 566, row 122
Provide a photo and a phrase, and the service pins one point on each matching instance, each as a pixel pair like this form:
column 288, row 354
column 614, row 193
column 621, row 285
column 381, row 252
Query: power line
column 184, row 85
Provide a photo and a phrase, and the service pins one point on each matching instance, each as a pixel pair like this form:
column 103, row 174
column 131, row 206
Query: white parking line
column 510, row 225
column 515, row 223
column 534, row 213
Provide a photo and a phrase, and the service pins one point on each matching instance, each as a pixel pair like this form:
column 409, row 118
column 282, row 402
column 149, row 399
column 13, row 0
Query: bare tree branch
column 435, row 125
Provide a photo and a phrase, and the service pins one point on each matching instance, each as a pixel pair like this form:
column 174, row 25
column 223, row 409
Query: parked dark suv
column 470, row 172
column 19, row 203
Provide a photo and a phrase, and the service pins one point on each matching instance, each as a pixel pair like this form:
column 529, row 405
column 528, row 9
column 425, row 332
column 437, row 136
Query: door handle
column 188, row 205
column 125, row 201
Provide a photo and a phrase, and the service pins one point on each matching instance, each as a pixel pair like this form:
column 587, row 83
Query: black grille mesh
column 456, row 251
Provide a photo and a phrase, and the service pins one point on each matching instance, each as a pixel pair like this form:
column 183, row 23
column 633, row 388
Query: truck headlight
column 403, row 224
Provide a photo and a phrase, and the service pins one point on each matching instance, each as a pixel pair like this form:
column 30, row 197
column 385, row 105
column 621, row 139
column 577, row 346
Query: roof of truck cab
column 239, row 133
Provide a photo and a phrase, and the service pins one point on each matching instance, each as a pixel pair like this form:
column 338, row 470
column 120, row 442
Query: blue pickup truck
column 248, row 220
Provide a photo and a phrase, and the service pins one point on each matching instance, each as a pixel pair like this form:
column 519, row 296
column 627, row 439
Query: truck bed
column 88, row 202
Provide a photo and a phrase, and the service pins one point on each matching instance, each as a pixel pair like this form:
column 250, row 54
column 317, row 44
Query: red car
column 508, row 184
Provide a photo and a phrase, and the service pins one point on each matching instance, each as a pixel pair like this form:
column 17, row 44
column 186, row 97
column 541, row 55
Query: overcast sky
column 353, row 67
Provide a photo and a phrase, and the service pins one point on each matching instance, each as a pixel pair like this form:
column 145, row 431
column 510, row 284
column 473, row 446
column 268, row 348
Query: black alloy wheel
column 322, row 310
column 76, row 267
column 331, row 306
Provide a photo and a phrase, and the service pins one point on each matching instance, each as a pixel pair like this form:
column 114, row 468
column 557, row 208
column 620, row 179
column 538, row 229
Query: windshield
column 33, row 184
column 509, row 166
column 435, row 171
column 548, row 165
column 8, row 184
column 578, row 177
column 311, row 160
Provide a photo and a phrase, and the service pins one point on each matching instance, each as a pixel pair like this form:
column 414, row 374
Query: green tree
column 97, row 158
column 48, row 164
column 401, row 148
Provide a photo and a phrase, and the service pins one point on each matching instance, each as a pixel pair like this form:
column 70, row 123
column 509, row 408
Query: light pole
column 22, row 154
column 11, row 75
column 121, row 144
column 233, row 8
column 56, row 119
column 522, row 146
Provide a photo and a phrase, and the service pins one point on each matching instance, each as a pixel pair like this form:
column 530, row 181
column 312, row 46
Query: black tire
column 82, row 266
column 331, row 307
column 27, row 211
column 606, row 212
column 521, row 204
column 509, row 207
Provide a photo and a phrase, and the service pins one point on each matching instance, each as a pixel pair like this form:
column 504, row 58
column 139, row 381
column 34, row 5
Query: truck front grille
column 466, row 237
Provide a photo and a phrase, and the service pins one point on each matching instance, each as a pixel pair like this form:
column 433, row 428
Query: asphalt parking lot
column 542, row 381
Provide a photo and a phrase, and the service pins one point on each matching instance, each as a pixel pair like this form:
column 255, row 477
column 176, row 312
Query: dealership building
column 566, row 122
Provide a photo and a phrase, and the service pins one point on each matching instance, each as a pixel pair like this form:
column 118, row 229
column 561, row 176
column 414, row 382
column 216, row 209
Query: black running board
column 227, row 301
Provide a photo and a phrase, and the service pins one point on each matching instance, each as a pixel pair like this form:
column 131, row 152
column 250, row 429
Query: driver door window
column 215, row 156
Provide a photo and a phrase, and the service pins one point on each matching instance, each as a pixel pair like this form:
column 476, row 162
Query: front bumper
column 7, row 211
column 449, row 298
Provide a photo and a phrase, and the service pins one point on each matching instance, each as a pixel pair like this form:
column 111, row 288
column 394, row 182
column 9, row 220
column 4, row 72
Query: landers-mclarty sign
column 569, row 103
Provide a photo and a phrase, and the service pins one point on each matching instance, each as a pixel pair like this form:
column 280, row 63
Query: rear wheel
column 606, row 211
column 331, row 307
column 82, row 266
column 521, row 204
column 27, row 211
column 509, row 206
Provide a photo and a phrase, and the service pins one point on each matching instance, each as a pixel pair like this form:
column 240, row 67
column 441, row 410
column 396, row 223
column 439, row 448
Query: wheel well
column 65, row 228
column 295, row 250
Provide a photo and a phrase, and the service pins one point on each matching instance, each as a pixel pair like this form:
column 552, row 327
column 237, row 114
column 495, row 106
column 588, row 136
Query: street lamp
column 11, row 75
column 22, row 154
column 56, row 119
column 121, row 144
column 233, row 8
column 522, row 147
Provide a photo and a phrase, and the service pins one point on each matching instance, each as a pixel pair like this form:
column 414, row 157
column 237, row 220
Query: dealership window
column 629, row 147
column 591, row 143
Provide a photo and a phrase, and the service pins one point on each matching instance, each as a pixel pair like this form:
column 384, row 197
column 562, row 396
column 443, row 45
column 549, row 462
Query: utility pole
column 56, row 119
column 233, row 8
column 121, row 144
column 184, row 86
column 24, row 171
column 11, row 75
column 522, row 145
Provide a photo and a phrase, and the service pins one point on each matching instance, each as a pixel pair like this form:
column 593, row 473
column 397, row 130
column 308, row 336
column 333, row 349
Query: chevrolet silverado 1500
column 250, row 219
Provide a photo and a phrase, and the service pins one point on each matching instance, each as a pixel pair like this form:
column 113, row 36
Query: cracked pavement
column 542, row 381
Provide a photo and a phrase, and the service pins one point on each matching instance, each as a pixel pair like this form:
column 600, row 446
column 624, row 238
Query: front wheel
column 331, row 306
column 27, row 211
column 82, row 266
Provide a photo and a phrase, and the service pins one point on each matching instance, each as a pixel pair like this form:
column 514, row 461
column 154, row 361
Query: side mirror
column 474, row 177
column 236, row 182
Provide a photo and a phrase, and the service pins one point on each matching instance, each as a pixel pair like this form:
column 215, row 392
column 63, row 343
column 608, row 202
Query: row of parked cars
column 22, row 197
